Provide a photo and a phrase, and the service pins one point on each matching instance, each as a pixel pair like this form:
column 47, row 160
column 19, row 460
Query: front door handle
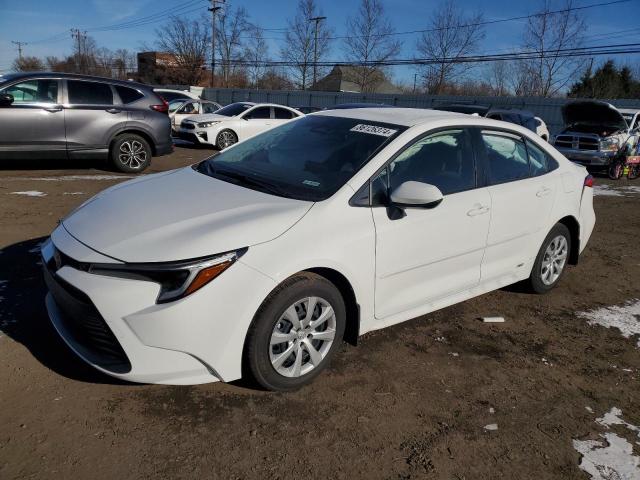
column 113, row 110
column 54, row 109
column 543, row 192
column 479, row 210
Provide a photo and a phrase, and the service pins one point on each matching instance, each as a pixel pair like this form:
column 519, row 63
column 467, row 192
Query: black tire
column 226, row 138
column 615, row 171
column 536, row 282
column 258, row 350
column 634, row 172
column 130, row 153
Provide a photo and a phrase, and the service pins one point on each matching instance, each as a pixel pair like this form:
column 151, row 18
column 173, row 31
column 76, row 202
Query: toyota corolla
column 261, row 260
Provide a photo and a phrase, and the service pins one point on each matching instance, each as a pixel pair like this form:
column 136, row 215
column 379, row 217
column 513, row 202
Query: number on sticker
column 373, row 130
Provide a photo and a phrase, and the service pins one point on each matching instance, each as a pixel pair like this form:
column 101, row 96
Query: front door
column 257, row 120
column 33, row 125
column 430, row 254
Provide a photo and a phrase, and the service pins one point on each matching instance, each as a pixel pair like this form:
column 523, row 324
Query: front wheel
column 551, row 260
column 225, row 139
column 634, row 172
column 130, row 153
column 295, row 333
column 616, row 170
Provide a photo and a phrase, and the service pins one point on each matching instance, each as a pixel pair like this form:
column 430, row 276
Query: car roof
column 522, row 113
column 73, row 76
column 629, row 111
column 407, row 117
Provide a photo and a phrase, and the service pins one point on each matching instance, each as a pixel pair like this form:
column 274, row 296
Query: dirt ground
column 410, row 401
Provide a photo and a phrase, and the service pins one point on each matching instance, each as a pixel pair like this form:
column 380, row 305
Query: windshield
column 234, row 109
column 306, row 159
column 175, row 104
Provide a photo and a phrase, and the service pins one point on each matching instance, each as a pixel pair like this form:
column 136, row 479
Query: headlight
column 207, row 124
column 177, row 279
column 609, row 145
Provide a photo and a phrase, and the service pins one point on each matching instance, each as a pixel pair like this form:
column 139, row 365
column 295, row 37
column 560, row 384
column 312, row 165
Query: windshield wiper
column 250, row 180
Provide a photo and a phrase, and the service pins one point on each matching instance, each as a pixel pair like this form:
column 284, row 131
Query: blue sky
column 37, row 21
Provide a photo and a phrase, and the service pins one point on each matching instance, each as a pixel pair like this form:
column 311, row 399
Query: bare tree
column 451, row 36
column 547, row 33
column 370, row 43
column 256, row 52
column 521, row 82
column 232, row 25
column 27, row 64
column 188, row 41
column 298, row 49
column 498, row 74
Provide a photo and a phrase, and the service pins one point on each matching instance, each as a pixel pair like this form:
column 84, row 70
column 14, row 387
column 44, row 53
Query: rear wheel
column 634, row 171
column 130, row 153
column 295, row 333
column 615, row 171
column 551, row 260
column 225, row 139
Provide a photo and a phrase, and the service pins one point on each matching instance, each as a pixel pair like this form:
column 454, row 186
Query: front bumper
column 588, row 158
column 194, row 136
column 115, row 325
column 164, row 148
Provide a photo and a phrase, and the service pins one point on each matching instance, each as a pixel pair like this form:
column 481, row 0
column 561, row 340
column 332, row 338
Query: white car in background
column 235, row 122
column 182, row 109
column 263, row 258
column 170, row 94
column 541, row 129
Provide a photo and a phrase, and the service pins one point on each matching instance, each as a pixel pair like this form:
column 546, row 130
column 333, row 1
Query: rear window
column 283, row 114
column 128, row 95
column 89, row 93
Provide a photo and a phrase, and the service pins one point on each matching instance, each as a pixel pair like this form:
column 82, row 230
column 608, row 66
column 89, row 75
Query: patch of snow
column 625, row 318
column 492, row 410
column 589, row 409
column 74, row 193
column 30, row 193
column 491, row 427
column 632, row 189
column 606, row 191
column 63, row 178
column 454, row 354
column 611, row 459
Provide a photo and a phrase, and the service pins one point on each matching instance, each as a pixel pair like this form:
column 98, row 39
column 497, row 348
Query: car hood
column 593, row 113
column 210, row 117
column 180, row 215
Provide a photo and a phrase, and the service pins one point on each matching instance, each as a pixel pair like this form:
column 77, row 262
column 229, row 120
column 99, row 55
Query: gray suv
column 57, row 115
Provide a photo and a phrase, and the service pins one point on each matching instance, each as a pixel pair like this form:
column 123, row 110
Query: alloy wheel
column 132, row 154
column 302, row 337
column 554, row 260
column 226, row 139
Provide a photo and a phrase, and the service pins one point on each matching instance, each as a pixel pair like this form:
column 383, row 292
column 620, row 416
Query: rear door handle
column 543, row 192
column 479, row 210
column 113, row 110
column 57, row 108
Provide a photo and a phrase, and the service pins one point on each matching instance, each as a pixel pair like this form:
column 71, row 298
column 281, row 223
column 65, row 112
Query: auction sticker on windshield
column 373, row 130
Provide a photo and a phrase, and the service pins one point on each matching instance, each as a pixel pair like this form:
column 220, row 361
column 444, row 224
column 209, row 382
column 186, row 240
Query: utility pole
column 80, row 38
column 19, row 45
column 415, row 78
column 315, row 48
column 214, row 8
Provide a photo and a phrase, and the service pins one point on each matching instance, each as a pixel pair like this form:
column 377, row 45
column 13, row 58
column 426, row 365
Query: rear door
column 33, row 125
column 92, row 116
column 282, row 115
column 522, row 197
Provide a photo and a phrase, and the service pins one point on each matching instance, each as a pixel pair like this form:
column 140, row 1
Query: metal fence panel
column 549, row 109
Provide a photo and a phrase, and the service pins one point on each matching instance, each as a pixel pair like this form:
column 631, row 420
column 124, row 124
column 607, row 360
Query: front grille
column 188, row 125
column 190, row 137
column 577, row 143
column 85, row 325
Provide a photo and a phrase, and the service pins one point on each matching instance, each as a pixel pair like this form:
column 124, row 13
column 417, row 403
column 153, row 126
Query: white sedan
column 235, row 122
column 262, row 259
column 179, row 110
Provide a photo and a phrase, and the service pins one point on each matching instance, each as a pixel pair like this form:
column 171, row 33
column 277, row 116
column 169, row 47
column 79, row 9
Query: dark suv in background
column 57, row 115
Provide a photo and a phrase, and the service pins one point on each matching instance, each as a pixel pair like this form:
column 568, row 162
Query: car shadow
column 192, row 146
column 23, row 316
column 56, row 164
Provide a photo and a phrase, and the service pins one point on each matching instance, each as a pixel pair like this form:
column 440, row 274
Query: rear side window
column 444, row 159
column 541, row 162
column 507, row 158
column 128, row 95
column 283, row 114
column 89, row 93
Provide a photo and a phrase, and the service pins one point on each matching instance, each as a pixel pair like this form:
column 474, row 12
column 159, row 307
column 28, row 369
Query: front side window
column 307, row 159
column 188, row 108
column 260, row 112
column 444, row 159
column 33, row 91
column 506, row 157
column 89, row 93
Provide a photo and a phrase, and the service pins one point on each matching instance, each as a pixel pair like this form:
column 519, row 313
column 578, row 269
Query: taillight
column 588, row 181
column 162, row 108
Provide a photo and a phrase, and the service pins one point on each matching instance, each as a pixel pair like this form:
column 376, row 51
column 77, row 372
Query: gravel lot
column 442, row 396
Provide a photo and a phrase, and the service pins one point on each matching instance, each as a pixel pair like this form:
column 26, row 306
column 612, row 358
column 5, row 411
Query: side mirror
column 6, row 99
column 416, row 195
